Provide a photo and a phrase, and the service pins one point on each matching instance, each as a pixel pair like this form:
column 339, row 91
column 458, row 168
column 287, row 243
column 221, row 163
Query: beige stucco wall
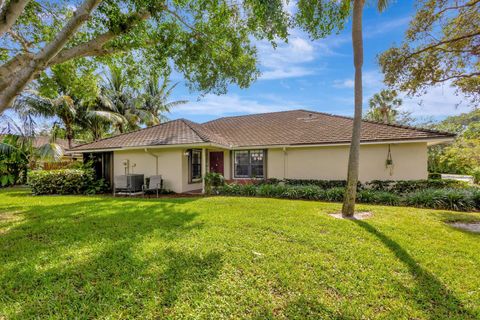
column 330, row 163
column 172, row 165
column 169, row 165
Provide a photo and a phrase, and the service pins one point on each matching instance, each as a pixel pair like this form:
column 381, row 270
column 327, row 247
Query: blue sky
column 318, row 75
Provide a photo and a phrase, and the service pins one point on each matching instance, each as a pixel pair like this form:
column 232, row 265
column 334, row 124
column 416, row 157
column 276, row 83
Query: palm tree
column 384, row 108
column 155, row 100
column 118, row 98
column 63, row 107
column 348, row 207
column 18, row 152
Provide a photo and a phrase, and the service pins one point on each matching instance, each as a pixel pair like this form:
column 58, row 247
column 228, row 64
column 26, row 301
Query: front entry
column 216, row 162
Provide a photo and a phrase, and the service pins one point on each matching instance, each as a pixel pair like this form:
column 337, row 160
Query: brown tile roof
column 296, row 127
column 299, row 127
column 169, row 133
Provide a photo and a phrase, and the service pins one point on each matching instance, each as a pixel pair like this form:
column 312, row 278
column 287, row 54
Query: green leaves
column 440, row 46
column 320, row 18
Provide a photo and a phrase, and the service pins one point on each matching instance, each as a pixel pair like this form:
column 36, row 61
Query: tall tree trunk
column 348, row 208
column 69, row 134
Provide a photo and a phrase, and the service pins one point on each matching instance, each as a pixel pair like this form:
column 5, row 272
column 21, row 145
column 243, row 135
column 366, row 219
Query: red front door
column 216, row 162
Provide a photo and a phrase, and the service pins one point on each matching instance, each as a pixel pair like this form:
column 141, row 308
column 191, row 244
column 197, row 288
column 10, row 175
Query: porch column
column 204, row 168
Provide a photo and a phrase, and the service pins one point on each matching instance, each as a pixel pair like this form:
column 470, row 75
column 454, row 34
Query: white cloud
column 229, row 104
column 439, row 101
column 341, row 84
column 372, row 81
column 287, row 59
column 385, row 27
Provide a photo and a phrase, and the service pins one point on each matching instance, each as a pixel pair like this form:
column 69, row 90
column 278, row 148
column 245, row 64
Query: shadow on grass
column 87, row 259
column 434, row 298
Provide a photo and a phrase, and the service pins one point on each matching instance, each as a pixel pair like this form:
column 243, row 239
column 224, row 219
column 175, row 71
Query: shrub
column 267, row 181
column 335, row 194
column 476, row 175
column 65, row 181
column 213, row 180
column 379, row 185
column 311, row 192
column 324, row 184
column 270, row 190
column 378, row 197
column 434, row 175
column 248, row 190
column 366, row 196
column 451, row 199
column 476, row 197
column 387, row 198
column 407, row 186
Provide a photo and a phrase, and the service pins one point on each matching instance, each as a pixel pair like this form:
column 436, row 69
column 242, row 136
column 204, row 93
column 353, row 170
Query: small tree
column 384, row 107
column 154, row 100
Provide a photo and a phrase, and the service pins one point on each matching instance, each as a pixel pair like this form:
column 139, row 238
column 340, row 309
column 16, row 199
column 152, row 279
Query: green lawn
column 100, row 257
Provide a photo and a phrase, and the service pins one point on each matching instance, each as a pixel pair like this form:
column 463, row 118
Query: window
column 195, row 165
column 249, row 163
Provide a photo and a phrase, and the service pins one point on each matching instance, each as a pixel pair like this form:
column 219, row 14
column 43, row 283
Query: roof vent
column 310, row 118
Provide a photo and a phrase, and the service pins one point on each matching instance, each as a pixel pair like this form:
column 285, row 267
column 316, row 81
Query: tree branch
column 466, row 5
column 24, row 43
column 94, row 47
column 79, row 17
column 459, row 76
column 442, row 43
column 17, row 81
column 9, row 14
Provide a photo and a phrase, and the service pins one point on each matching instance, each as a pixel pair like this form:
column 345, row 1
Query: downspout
column 156, row 160
column 284, row 163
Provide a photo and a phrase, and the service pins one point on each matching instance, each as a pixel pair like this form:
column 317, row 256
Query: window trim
column 249, row 176
column 190, row 165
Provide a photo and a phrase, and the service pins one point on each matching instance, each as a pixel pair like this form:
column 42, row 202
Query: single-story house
column 296, row 144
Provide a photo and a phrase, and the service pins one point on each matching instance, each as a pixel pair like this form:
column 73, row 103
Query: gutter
column 156, row 160
column 429, row 141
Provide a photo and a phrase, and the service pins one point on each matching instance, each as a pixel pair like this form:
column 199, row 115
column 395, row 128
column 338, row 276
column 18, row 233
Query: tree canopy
column 463, row 155
column 441, row 46
column 210, row 42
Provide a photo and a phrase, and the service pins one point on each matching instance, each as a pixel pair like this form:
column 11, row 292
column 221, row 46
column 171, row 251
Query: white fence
column 460, row 177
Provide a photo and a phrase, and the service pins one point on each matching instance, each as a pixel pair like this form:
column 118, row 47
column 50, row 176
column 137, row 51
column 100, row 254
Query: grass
column 100, row 257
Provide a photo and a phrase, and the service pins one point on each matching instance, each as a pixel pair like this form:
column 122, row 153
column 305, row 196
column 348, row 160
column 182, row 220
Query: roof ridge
column 125, row 133
column 188, row 124
column 251, row 115
column 381, row 123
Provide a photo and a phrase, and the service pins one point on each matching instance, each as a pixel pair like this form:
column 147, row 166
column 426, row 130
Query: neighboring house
column 296, row 144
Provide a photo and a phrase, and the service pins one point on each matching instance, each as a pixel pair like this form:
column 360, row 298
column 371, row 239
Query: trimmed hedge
column 465, row 199
column 65, row 181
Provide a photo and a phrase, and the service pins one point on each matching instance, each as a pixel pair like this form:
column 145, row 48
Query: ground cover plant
column 435, row 194
column 231, row 257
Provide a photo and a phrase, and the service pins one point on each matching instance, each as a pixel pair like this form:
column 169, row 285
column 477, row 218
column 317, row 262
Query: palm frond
column 108, row 116
column 50, row 151
column 172, row 104
column 169, row 91
column 382, row 5
column 7, row 149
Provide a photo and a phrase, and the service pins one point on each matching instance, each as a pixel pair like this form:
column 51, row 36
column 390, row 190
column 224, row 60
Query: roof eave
column 166, row 146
